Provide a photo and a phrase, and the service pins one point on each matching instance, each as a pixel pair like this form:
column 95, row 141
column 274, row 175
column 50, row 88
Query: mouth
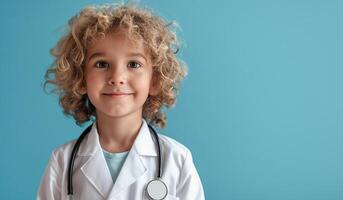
column 117, row 94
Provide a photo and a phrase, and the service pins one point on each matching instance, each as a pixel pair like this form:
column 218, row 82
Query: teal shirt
column 114, row 162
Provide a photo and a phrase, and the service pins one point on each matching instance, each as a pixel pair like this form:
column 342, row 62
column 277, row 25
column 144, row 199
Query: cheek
column 93, row 83
column 143, row 83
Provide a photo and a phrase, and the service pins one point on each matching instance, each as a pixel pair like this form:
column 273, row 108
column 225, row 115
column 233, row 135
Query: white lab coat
column 92, row 179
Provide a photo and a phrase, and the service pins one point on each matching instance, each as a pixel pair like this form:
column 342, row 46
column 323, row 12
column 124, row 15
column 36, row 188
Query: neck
column 118, row 134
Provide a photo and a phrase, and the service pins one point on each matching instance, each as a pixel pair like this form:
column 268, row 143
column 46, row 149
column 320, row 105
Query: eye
column 101, row 64
column 134, row 64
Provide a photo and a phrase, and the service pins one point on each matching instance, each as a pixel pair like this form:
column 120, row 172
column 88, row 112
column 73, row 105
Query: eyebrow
column 131, row 54
column 95, row 55
column 134, row 54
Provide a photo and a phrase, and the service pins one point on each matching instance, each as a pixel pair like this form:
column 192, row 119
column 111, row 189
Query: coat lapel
column 95, row 168
column 97, row 173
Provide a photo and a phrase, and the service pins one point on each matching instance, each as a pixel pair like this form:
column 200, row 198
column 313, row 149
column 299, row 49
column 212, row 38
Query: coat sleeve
column 50, row 186
column 189, row 187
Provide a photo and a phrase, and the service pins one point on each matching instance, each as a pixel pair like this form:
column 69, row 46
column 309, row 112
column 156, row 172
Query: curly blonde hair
column 140, row 24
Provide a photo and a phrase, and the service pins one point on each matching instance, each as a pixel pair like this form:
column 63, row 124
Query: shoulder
column 62, row 152
column 65, row 147
column 169, row 142
column 173, row 148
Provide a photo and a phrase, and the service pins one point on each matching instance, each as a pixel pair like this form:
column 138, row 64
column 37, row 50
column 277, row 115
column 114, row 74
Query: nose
column 117, row 76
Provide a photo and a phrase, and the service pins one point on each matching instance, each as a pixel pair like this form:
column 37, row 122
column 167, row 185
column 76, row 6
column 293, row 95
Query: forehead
column 117, row 41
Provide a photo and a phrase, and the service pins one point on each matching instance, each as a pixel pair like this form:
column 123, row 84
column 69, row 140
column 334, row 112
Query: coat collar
column 143, row 144
column 95, row 168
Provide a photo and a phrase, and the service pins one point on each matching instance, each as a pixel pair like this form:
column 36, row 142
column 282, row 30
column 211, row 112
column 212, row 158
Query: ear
column 154, row 87
column 83, row 90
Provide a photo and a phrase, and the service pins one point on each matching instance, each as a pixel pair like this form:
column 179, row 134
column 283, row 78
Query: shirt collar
column 144, row 143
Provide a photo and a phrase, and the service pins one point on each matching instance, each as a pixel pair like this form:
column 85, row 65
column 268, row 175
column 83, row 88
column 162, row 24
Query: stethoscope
column 156, row 189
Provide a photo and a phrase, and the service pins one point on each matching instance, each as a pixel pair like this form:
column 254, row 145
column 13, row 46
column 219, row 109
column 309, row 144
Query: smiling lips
column 117, row 94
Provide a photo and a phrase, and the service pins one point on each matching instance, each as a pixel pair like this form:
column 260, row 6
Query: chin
column 116, row 114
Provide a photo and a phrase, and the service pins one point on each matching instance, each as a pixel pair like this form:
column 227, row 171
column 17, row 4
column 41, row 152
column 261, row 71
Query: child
column 117, row 67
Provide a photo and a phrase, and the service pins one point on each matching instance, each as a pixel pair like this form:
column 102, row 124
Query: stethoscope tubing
column 159, row 175
column 72, row 159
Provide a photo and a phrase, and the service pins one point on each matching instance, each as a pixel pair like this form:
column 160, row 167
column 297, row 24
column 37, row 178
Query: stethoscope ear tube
column 72, row 158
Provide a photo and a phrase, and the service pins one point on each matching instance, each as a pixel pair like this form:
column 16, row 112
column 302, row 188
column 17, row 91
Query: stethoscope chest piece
column 156, row 189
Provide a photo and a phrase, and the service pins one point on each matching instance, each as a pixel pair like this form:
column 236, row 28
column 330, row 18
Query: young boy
column 117, row 67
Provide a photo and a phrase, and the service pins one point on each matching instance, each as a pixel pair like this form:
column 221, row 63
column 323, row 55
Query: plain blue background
column 261, row 108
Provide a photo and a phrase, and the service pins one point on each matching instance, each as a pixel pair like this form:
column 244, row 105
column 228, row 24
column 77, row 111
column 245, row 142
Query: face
column 118, row 76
